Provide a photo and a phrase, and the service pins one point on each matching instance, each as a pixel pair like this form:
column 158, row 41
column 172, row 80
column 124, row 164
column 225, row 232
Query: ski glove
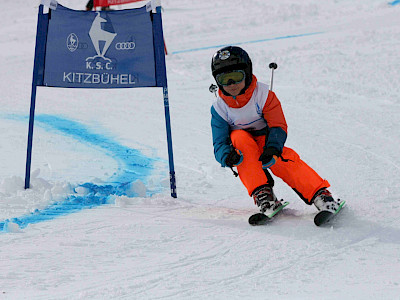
column 269, row 157
column 234, row 158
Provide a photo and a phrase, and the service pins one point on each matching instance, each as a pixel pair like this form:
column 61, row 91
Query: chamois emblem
column 72, row 42
column 97, row 35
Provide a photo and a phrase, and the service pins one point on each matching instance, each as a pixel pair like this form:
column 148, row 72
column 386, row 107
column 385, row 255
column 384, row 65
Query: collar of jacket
column 242, row 99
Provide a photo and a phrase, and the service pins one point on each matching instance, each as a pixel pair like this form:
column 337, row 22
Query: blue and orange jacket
column 257, row 111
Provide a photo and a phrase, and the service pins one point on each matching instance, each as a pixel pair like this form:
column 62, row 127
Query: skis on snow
column 321, row 218
column 261, row 219
column 324, row 216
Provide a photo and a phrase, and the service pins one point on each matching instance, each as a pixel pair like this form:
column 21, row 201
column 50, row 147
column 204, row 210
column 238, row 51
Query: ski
column 261, row 219
column 324, row 216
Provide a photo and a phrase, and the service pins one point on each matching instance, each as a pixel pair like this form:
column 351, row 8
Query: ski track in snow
column 340, row 93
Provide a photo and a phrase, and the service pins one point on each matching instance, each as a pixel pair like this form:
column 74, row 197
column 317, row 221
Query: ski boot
column 265, row 199
column 324, row 201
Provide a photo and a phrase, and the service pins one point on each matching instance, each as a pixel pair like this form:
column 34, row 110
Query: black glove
column 269, row 157
column 234, row 158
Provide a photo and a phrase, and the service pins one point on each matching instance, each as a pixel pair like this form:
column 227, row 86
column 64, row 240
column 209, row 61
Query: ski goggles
column 231, row 77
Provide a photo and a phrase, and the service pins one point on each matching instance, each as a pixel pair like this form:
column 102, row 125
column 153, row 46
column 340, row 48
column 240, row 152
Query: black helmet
column 232, row 58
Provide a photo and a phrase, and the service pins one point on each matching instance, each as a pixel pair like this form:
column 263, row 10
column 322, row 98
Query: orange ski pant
column 289, row 167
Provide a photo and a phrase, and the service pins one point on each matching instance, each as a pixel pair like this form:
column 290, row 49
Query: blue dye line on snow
column 248, row 42
column 132, row 163
column 133, row 166
column 394, row 2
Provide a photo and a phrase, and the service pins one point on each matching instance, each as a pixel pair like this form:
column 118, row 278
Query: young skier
column 249, row 132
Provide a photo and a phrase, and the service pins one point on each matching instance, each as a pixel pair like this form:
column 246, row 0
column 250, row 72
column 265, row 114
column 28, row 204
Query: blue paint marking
column 248, row 42
column 133, row 166
column 393, row 3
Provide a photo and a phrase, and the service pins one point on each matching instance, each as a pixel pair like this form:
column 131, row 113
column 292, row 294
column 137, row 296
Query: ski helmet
column 232, row 58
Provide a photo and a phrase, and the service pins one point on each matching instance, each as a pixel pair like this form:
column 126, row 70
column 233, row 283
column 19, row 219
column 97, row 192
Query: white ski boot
column 265, row 198
column 324, row 201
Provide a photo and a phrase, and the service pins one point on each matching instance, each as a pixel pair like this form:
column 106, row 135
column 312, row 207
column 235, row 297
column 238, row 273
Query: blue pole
column 30, row 137
column 161, row 78
column 169, row 142
column 38, row 71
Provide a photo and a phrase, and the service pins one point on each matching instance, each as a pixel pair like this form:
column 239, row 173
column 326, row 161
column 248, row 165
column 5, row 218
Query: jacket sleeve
column 273, row 115
column 221, row 137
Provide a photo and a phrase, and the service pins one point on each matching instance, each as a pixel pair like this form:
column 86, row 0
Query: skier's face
column 234, row 89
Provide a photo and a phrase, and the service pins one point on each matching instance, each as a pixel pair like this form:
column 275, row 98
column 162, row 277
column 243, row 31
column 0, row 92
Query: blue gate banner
column 103, row 49
column 100, row 50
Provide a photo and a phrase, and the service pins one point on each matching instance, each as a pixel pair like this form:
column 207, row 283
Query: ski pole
column 272, row 66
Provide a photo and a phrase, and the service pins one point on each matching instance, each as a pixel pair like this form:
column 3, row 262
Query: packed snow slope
column 338, row 81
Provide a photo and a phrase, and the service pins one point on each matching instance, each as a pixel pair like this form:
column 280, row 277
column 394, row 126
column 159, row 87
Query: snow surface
column 338, row 81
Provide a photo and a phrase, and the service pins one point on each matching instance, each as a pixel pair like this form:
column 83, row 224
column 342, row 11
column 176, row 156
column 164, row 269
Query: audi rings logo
column 125, row 46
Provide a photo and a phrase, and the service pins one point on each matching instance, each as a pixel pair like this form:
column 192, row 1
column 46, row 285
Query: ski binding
column 261, row 219
column 324, row 216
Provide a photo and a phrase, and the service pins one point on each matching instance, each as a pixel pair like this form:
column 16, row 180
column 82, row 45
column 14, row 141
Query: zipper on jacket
column 234, row 97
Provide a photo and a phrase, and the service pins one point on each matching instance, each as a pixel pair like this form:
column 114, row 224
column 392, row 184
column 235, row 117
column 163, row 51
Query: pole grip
column 273, row 66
